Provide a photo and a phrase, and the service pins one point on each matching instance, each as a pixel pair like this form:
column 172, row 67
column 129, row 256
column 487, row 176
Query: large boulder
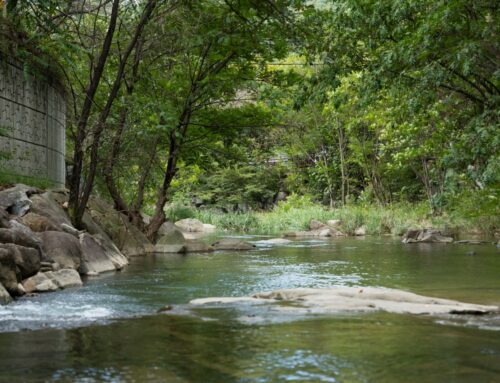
column 26, row 259
column 316, row 225
column 20, row 235
column 170, row 234
column 9, row 273
column 192, row 225
column 425, row 236
column 232, row 244
column 52, row 281
column 50, row 205
column 16, row 200
column 4, row 296
column 62, row 248
column 128, row 238
column 39, row 283
column 118, row 259
column 172, row 242
column 38, row 223
column 94, row 258
column 65, row 278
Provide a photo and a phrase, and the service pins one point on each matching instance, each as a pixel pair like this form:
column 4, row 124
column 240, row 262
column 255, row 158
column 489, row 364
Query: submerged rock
column 232, row 244
column 356, row 299
column 197, row 247
column 425, row 236
column 274, row 241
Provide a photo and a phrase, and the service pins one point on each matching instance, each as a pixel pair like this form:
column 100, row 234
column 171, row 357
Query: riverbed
column 109, row 329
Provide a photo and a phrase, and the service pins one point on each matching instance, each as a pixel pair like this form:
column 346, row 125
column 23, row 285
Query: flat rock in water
column 232, row 244
column 274, row 241
column 358, row 299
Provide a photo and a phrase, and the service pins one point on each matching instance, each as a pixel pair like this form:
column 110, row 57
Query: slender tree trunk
column 78, row 156
column 342, row 164
column 101, row 122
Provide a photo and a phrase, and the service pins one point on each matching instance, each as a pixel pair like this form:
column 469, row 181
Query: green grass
column 469, row 212
column 377, row 220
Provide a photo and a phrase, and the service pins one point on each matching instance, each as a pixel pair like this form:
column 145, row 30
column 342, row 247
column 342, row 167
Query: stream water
column 108, row 330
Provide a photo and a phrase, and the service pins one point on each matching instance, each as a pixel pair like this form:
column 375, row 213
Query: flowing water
column 108, row 330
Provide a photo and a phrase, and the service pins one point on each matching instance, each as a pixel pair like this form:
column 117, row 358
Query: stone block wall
column 32, row 126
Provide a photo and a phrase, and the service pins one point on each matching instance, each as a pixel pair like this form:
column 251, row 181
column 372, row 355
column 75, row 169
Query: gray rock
column 190, row 225
column 16, row 200
column 39, row 283
column 426, row 236
column 232, row 244
column 170, row 249
column 65, row 278
column 118, row 259
column 316, row 225
column 4, row 296
column 197, row 247
column 20, row 235
column 49, row 205
column 38, row 223
column 360, row 231
column 170, row 235
column 323, row 232
column 9, row 273
column 334, row 222
column 26, row 259
column 62, row 248
column 354, row 299
column 94, row 258
column 102, row 217
column 274, row 241
column 70, row 229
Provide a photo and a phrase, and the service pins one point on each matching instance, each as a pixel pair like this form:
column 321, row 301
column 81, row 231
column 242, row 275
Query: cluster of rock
column 41, row 251
column 184, row 237
column 319, row 229
column 426, row 236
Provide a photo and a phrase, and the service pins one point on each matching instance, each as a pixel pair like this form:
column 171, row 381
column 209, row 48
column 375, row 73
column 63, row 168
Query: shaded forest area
column 239, row 105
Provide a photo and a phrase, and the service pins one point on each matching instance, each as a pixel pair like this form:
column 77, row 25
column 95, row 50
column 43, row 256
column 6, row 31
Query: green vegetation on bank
column 297, row 213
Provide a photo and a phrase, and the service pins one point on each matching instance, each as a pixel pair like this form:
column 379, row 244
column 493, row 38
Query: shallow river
column 108, row 330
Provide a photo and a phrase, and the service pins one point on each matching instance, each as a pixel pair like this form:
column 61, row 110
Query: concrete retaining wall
column 32, row 126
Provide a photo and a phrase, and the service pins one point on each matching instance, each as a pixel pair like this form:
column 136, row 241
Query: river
column 109, row 331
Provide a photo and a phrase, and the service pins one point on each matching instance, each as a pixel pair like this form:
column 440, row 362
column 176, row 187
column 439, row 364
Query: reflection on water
column 108, row 330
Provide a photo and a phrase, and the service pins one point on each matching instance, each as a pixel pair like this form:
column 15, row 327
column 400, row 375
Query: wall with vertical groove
column 32, row 126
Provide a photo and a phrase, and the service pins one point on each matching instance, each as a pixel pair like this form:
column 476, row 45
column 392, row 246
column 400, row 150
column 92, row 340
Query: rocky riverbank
column 41, row 251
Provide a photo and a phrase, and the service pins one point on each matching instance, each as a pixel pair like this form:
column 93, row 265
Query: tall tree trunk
column 101, row 122
column 88, row 102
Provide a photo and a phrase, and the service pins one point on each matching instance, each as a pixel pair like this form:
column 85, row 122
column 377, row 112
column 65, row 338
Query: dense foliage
column 234, row 105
